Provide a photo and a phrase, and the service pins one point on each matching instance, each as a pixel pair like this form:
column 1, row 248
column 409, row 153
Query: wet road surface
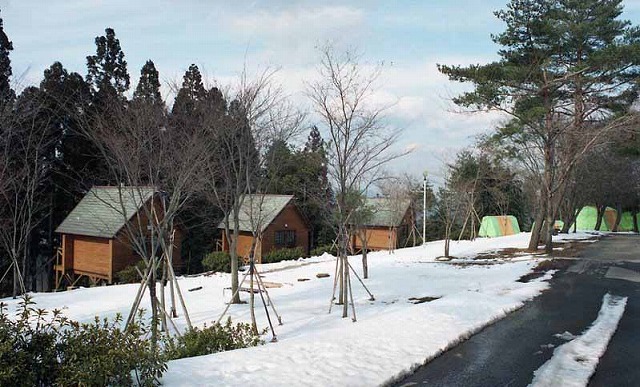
column 509, row 351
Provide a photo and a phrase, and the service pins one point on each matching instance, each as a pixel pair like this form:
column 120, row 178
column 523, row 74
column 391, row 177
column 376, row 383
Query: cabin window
column 285, row 238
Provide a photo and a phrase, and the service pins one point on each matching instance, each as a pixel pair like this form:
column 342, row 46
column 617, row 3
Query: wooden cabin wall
column 377, row 238
column 288, row 219
column 67, row 251
column 92, row 255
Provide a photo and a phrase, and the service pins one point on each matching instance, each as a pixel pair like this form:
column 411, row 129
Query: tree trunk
column 537, row 228
column 447, row 240
column 339, row 275
column 600, row 209
column 151, row 284
column 345, row 275
column 618, row 217
column 549, row 224
column 252, row 302
column 569, row 221
column 233, row 253
column 549, row 161
column 365, row 265
column 15, row 279
column 635, row 221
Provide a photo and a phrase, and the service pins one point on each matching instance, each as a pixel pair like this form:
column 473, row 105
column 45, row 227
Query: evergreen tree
column 107, row 70
column 67, row 156
column 190, row 94
column 304, row 175
column 148, row 89
column 564, row 66
column 7, row 95
column 314, row 141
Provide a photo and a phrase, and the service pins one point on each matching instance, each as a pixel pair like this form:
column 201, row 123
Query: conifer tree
column 6, row 46
column 148, row 89
column 191, row 92
column 314, row 141
column 107, row 70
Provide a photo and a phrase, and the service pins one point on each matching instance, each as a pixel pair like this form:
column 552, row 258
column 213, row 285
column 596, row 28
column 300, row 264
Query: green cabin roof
column 259, row 210
column 103, row 211
column 386, row 212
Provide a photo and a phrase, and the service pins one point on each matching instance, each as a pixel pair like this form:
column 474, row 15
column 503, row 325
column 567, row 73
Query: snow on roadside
column 370, row 352
column 573, row 363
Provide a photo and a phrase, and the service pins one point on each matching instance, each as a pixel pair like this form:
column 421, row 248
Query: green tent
column 626, row 223
column 494, row 226
column 587, row 217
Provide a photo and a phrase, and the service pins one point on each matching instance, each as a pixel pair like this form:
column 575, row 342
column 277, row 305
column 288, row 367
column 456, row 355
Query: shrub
column 283, row 255
column 331, row 249
column 42, row 349
column 216, row 338
column 129, row 274
column 217, row 261
column 101, row 354
column 28, row 353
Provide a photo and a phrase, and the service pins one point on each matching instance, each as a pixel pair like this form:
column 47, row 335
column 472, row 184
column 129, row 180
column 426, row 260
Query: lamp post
column 424, row 208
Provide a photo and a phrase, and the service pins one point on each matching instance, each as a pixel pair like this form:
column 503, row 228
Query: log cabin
column 94, row 240
column 275, row 220
column 388, row 225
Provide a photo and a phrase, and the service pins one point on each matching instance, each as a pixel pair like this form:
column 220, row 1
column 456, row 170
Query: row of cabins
column 94, row 239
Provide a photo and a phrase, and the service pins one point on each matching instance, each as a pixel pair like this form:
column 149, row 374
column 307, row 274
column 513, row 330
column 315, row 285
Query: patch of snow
column 566, row 336
column 573, row 363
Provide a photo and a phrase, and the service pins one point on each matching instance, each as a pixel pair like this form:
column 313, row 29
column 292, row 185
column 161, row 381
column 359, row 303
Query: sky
column 406, row 38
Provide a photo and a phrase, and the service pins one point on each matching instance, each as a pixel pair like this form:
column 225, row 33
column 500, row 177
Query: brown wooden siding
column 92, row 255
column 379, row 238
column 123, row 255
column 385, row 238
column 104, row 257
column 67, row 251
column 288, row 219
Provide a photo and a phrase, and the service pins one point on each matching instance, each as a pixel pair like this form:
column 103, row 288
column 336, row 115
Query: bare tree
column 259, row 113
column 158, row 167
column 361, row 217
column 360, row 142
column 23, row 169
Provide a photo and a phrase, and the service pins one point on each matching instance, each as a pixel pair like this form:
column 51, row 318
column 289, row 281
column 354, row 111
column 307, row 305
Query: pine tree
column 7, row 94
column 565, row 65
column 148, row 89
column 107, row 70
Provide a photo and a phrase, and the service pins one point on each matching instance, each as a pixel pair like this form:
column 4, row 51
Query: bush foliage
column 283, row 255
column 129, row 274
column 215, row 338
column 217, row 261
column 41, row 348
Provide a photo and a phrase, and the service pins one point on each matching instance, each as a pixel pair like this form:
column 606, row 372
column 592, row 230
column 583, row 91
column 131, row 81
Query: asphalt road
column 509, row 351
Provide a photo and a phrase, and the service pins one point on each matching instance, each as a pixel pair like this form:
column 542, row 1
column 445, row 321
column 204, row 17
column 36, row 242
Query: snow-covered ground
column 392, row 335
column 574, row 362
